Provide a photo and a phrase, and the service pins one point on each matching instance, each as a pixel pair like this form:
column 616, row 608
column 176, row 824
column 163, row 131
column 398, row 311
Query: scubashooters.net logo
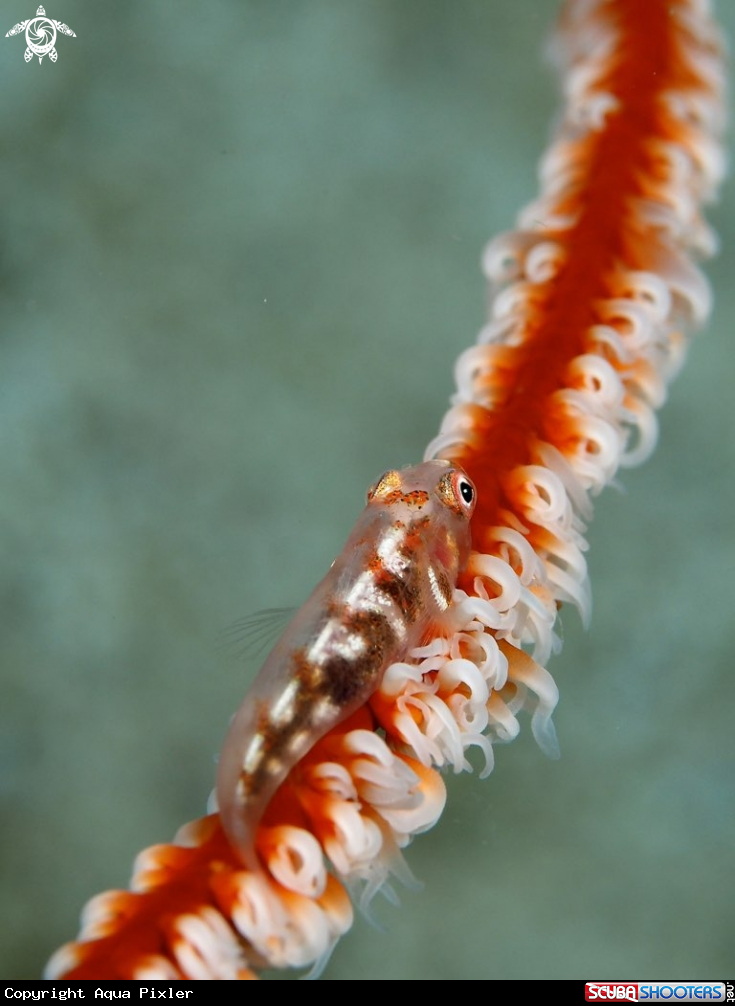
column 657, row 992
column 40, row 35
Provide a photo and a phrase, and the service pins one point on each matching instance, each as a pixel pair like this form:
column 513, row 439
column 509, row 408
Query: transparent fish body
column 392, row 581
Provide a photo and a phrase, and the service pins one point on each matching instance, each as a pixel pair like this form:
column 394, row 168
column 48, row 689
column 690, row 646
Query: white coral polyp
column 294, row 858
column 353, row 841
column 285, row 929
column 361, row 835
column 206, row 948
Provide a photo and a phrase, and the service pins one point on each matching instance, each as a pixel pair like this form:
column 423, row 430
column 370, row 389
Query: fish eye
column 457, row 492
column 466, row 490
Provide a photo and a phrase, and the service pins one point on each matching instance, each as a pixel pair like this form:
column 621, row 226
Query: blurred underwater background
column 239, row 254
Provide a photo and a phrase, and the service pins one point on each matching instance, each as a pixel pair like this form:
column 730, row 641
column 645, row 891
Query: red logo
column 609, row 991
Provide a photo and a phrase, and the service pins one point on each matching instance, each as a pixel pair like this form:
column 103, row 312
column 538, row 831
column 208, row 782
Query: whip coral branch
column 592, row 299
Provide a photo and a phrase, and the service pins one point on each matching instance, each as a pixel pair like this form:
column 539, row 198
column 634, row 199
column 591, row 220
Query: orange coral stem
column 137, row 921
column 618, row 164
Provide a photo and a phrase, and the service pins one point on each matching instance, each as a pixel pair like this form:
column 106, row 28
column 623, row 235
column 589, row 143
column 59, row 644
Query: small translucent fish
column 392, row 581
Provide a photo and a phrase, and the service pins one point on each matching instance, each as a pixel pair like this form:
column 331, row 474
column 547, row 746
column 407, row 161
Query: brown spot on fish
column 348, row 677
column 403, row 589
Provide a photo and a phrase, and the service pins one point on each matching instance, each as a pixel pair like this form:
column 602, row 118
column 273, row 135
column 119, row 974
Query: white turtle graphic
column 40, row 35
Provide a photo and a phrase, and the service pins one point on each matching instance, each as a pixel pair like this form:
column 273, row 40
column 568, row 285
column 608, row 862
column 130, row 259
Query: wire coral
column 592, row 297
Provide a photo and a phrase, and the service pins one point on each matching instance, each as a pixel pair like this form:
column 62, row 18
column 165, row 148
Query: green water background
column 239, row 249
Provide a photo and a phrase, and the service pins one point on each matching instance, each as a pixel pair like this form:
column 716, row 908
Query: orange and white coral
column 592, row 299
